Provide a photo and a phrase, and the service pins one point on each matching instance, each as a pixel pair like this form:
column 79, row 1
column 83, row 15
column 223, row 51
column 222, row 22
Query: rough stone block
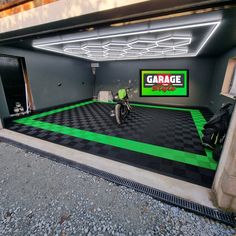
column 228, row 184
column 233, row 205
column 231, row 168
column 223, row 200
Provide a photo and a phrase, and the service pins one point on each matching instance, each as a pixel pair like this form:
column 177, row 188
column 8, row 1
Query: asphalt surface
column 42, row 197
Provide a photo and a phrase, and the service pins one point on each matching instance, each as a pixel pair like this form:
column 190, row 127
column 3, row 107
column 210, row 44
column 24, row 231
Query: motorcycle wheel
column 118, row 113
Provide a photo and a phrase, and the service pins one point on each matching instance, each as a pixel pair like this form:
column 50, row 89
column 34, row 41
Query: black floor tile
column 167, row 128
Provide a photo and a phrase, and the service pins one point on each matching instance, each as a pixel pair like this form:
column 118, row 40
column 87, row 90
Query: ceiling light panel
column 137, row 43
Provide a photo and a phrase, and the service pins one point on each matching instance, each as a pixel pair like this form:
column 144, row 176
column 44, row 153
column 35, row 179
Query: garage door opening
column 163, row 132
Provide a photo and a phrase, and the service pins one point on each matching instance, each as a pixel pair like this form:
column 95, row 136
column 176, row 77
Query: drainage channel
column 223, row 217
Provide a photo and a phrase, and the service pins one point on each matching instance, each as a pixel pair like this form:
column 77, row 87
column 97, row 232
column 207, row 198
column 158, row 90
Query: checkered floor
column 162, row 127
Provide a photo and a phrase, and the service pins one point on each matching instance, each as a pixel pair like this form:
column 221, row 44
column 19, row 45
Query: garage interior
column 65, row 71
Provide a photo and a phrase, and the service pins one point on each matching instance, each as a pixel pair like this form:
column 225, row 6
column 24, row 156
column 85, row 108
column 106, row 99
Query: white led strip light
column 93, row 48
column 163, row 47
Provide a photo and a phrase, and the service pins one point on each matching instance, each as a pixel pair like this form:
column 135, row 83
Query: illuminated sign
column 164, row 83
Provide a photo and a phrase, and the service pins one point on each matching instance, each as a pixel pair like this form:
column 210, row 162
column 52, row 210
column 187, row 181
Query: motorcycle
column 122, row 107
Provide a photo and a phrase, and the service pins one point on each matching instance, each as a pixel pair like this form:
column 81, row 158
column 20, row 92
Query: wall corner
column 224, row 186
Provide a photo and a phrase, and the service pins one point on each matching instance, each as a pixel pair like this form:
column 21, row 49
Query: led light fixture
column 121, row 44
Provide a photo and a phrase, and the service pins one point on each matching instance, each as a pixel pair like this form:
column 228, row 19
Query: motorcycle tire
column 118, row 114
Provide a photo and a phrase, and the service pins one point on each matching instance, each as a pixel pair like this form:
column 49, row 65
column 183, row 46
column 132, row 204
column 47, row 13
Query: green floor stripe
column 154, row 106
column 46, row 113
column 167, row 153
column 197, row 117
column 153, row 150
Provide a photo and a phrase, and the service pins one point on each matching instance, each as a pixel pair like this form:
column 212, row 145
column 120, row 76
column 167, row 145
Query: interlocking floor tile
column 174, row 129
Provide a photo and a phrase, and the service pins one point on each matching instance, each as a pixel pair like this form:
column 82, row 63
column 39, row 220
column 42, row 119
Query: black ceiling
column 225, row 37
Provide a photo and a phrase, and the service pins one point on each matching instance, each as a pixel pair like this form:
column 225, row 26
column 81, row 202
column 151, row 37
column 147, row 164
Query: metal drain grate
column 223, row 217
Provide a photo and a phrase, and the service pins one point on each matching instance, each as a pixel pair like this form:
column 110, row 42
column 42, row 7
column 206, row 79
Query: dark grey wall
column 216, row 100
column 45, row 71
column 3, row 103
column 114, row 75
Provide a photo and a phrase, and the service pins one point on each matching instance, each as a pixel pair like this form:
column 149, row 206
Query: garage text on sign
column 169, row 82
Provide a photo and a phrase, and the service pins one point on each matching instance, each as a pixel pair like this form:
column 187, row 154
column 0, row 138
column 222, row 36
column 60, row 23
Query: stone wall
column 225, row 181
